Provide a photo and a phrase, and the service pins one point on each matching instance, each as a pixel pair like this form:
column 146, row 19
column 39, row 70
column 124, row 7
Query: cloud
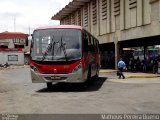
column 30, row 12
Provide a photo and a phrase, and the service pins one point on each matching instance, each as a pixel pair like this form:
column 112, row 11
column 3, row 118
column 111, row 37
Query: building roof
column 12, row 35
column 70, row 8
column 60, row 26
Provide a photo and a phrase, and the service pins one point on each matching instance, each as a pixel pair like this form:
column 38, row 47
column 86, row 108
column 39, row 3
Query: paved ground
column 103, row 71
column 106, row 95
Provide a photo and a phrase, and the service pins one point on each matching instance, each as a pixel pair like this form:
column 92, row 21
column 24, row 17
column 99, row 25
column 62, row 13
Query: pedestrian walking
column 121, row 67
column 155, row 66
column 138, row 64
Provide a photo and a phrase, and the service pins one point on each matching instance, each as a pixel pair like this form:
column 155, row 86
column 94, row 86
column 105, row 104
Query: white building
column 12, row 47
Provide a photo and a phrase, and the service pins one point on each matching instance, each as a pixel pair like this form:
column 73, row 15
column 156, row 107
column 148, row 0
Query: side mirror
column 26, row 42
column 32, row 43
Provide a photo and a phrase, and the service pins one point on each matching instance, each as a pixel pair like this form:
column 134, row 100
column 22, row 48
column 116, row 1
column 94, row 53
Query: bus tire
column 49, row 85
column 97, row 73
column 89, row 74
column 87, row 82
column 96, row 76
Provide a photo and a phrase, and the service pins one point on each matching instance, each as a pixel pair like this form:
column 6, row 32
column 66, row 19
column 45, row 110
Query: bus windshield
column 56, row 44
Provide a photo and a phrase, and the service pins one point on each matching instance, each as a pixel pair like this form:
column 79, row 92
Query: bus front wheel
column 49, row 85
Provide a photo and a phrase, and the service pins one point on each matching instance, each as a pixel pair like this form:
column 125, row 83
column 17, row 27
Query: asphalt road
column 108, row 94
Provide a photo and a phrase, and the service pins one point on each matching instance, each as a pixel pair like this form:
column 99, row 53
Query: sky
column 20, row 15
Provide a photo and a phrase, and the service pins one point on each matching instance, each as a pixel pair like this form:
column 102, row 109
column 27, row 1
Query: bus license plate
column 55, row 77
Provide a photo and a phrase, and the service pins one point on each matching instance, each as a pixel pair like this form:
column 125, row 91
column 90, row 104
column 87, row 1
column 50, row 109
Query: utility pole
column 14, row 23
column 29, row 30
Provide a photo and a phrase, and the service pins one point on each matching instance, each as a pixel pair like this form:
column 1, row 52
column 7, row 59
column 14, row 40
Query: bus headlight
column 78, row 69
column 34, row 68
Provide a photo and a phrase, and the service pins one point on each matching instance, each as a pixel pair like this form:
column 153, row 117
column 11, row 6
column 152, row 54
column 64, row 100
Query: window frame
column 12, row 59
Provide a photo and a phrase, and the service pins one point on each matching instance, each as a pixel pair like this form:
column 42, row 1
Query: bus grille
column 57, row 72
column 49, row 78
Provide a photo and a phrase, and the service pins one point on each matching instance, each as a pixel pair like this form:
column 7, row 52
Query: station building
column 13, row 48
column 118, row 24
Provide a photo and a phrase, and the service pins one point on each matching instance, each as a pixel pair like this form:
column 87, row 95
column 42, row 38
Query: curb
column 112, row 71
column 132, row 75
column 143, row 76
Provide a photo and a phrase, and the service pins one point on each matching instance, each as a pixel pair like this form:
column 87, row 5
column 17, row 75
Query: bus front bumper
column 67, row 78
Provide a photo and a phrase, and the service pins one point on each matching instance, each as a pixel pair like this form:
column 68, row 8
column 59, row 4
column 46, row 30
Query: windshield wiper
column 62, row 46
column 52, row 48
column 49, row 47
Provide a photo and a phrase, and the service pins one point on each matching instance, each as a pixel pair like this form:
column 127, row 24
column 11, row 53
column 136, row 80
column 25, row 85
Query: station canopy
column 70, row 8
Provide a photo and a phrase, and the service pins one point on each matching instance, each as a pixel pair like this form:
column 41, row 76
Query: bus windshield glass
column 57, row 44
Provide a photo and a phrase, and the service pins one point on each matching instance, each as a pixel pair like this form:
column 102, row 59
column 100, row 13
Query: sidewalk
column 131, row 74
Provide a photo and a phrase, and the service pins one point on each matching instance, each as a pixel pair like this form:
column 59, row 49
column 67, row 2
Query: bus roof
column 60, row 26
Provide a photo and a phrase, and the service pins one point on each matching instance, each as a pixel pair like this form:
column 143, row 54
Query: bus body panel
column 68, row 78
column 64, row 72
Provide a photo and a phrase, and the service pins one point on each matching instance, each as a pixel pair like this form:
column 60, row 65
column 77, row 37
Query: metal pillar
column 117, row 53
column 145, row 49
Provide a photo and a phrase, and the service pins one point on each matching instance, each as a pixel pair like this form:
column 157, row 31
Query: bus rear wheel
column 97, row 73
column 97, row 76
column 49, row 85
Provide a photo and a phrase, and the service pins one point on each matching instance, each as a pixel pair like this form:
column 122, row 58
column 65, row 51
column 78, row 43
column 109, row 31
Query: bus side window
column 89, row 40
column 85, row 42
column 92, row 46
column 93, row 41
column 97, row 46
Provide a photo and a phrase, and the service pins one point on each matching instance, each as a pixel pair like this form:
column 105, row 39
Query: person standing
column 121, row 67
column 144, row 65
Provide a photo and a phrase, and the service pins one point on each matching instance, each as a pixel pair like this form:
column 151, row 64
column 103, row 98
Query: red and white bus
column 64, row 53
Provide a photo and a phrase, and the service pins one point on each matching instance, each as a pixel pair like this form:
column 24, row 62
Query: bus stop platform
column 130, row 74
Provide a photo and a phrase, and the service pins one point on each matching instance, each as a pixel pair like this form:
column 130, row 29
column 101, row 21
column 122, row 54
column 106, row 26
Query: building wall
column 9, row 41
column 11, row 53
column 4, row 58
column 119, row 20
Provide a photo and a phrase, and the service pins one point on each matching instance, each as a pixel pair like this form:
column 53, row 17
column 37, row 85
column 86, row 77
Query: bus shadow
column 93, row 85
